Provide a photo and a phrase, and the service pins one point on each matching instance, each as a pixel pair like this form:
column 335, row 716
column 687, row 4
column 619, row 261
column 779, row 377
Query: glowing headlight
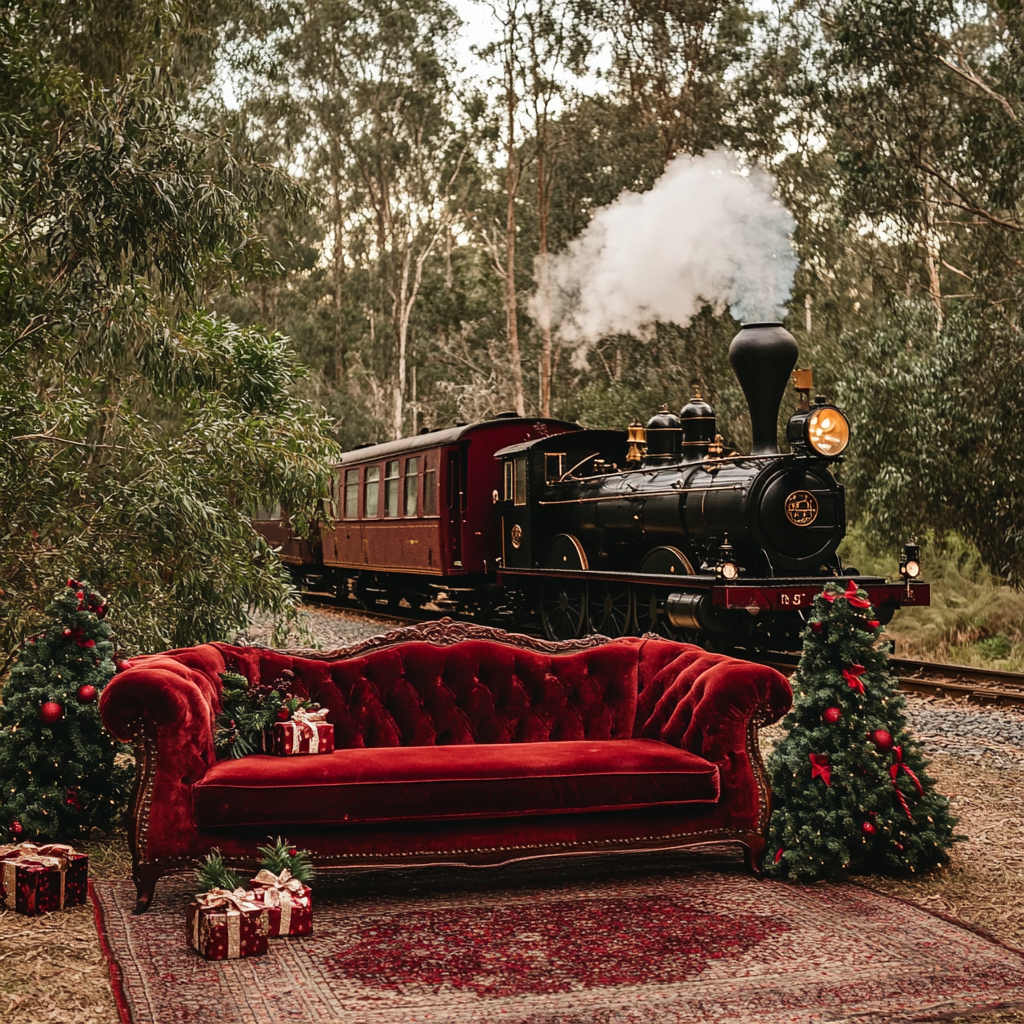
column 729, row 571
column 912, row 570
column 828, row 430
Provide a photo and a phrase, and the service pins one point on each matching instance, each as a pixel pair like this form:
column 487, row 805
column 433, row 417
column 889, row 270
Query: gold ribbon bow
column 305, row 719
column 233, row 904
column 284, row 891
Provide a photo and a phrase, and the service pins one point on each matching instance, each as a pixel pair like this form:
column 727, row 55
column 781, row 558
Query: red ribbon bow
column 852, row 676
column 851, row 596
column 894, row 770
column 820, row 768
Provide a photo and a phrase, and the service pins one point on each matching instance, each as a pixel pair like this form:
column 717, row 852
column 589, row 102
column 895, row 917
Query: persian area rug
column 677, row 944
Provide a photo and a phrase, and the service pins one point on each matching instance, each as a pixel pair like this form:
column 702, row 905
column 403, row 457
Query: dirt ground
column 51, row 969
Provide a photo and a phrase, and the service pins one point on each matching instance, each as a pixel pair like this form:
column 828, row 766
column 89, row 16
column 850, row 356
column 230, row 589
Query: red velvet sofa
column 456, row 744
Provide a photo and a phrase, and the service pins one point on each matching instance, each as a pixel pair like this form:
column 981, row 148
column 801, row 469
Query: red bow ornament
column 894, row 770
column 852, row 676
column 820, row 768
column 851, row 596
column 828, row 596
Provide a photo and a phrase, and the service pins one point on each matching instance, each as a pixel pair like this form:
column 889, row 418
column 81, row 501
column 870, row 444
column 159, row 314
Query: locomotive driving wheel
column 563, row 608
column 651, row 616
column 610, row 608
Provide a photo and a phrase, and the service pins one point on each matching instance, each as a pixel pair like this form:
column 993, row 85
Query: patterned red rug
column 569, row 945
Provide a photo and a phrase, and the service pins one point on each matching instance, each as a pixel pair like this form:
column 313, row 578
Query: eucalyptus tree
column 361, row 95
column 138, row 433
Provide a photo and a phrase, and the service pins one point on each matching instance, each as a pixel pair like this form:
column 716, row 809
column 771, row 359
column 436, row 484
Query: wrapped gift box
column 40, row 878
column 306, row 732
column 224, row 925
column 289, row 903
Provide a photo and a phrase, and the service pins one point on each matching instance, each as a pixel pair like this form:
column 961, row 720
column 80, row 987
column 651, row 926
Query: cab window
column 371, row 492
column 554, row 466
column 520, row 480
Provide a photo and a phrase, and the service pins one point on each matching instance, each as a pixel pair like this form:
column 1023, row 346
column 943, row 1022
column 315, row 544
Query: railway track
column 982, row 685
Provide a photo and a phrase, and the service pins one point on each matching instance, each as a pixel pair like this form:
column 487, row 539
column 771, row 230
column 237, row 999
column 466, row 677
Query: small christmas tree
column 850, row 786
column 57, row 772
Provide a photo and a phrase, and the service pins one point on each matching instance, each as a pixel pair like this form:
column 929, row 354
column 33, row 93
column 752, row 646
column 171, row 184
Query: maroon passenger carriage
column 663, row 529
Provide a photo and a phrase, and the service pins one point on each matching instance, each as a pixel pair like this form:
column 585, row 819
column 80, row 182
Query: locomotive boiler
column 656, row 529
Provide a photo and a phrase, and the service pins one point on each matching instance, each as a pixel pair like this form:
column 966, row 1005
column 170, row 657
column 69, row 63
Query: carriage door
column 455, row 503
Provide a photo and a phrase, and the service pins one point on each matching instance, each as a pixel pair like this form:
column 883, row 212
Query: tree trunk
column 511, row 186
column 544, row 273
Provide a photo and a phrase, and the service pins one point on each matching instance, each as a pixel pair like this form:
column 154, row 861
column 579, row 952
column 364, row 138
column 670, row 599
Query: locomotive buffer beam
column 750, row 595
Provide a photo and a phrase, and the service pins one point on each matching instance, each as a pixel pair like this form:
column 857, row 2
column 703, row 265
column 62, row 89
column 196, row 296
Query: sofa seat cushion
column 431, row 783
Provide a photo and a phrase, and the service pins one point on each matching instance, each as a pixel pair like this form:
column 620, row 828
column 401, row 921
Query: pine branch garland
column 214, row 874
column 280, row 854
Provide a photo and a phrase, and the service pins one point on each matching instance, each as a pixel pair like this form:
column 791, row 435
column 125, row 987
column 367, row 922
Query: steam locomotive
column 657, row 529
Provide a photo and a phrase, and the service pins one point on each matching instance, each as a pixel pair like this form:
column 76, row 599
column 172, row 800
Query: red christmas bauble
column 900, row 847
column 73, row 584
column 882, row 740
column 868, row 828
column 292, row 852
column 86, row 693
column 817, row 626
column 66, row 632
column 283, row 714
column 831, row 715
column 89, row 643
column 873, row 623
column 16, row 828
column 50, row 712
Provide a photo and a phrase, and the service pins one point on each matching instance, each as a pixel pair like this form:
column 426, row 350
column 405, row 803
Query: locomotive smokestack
column 762, row 357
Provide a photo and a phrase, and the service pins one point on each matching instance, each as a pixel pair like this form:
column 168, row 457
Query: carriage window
column 391, row 488
column 554, row 466
column 430, row 485
column 520, row 476
column 412, row 485
column 268, row 513
column 508, row 480
column 352, row 494
column 371, row 491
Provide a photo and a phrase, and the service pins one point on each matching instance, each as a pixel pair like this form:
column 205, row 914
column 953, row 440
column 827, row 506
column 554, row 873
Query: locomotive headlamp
column 727, row 568
column 910, row 562
column 828, row 431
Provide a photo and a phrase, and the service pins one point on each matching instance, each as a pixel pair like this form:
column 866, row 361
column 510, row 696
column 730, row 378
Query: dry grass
column 51, row 968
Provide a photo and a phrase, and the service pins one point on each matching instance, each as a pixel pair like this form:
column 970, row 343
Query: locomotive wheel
column 650, row 613
column 610, row 608
column 563, row 609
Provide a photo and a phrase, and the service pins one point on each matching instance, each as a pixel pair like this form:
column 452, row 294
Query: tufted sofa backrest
column 474, row 691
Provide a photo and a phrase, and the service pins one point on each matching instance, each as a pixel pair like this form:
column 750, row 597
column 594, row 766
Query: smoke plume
column 707, row 232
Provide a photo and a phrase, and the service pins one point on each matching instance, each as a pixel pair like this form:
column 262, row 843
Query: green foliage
column 279, row 854
column 138, row 432
column 212, row 873
column 849, row 799
column 59, row 779
column 247, row 709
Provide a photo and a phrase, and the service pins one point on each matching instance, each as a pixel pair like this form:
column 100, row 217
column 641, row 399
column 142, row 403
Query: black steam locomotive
column 659, row 529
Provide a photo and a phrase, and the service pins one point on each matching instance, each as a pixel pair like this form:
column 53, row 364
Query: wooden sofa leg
column 145, row 882
column 753, row 850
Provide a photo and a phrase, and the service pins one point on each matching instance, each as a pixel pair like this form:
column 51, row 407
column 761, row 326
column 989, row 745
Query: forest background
column 239, row 236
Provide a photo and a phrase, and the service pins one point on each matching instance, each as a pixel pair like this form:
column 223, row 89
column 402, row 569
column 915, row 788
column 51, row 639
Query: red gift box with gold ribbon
column 289, row 903
column 223, row 925
column 306, row 732
column 40, row 878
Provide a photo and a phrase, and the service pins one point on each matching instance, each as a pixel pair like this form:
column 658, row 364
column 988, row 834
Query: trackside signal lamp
column 910, row 562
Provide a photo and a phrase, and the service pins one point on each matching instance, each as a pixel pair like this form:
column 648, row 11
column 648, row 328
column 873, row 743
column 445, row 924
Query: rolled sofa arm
column 712, row 705
column 166, row 705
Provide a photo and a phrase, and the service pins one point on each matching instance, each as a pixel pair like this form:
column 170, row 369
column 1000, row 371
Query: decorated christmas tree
column 850, row 786
column 58, row 776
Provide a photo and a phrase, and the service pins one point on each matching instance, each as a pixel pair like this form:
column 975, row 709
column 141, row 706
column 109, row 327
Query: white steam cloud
column 707, row 232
